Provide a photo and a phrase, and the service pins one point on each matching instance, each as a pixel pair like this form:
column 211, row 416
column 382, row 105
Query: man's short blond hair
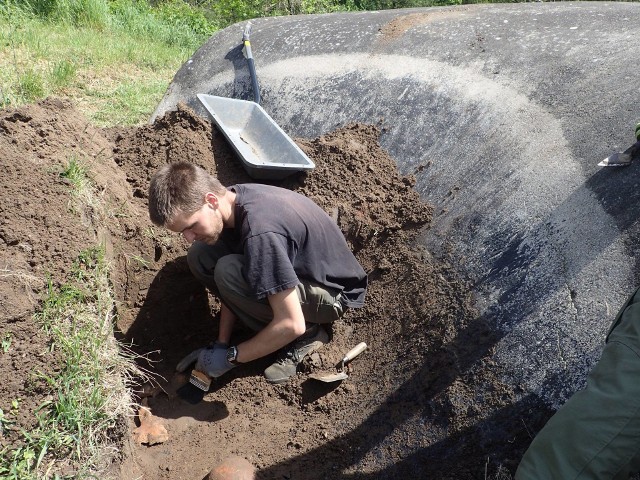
column 180, row 187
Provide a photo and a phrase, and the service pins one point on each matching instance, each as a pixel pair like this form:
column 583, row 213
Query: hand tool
column 622, row 159
column 200, row 380
column 341, row 374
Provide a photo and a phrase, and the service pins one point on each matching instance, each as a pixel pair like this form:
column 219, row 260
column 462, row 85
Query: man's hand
column 213, row 361
column 193, row 356
column 188, row 360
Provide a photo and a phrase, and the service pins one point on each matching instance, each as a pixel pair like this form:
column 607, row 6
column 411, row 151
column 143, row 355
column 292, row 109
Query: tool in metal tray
column 265, row 150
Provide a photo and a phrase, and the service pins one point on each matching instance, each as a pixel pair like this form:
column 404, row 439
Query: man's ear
column 212, row 199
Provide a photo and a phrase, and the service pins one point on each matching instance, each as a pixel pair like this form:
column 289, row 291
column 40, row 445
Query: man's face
column 205, row 225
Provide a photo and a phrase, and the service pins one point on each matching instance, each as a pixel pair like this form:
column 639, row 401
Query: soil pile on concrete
column 422, row 402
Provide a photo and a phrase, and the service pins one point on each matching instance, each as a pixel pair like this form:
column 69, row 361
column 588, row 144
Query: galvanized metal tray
column 265, row 150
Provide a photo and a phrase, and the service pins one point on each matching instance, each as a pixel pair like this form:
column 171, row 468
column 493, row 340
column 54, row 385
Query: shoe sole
column 278, row 381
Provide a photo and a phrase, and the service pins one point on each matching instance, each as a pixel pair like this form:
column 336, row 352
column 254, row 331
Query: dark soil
column 424, row 401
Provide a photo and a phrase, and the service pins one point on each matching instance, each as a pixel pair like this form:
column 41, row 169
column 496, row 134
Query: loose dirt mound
column 422, row 402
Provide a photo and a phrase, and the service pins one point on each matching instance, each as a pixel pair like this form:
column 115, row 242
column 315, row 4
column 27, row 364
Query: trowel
column 621, row 159
column 341, row 374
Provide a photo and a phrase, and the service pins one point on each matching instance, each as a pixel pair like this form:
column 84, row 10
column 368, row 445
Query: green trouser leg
column 596, row 434
column 222, row 272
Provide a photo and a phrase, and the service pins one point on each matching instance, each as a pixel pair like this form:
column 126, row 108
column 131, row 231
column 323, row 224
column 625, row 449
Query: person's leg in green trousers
column 596, row 434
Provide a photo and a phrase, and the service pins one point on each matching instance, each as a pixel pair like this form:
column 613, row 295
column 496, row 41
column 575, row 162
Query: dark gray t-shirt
column 285, row 236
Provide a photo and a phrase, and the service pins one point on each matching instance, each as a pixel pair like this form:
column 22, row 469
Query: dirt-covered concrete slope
column 502, row 112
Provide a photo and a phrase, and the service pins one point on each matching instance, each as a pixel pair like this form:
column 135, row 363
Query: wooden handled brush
column 200, row 380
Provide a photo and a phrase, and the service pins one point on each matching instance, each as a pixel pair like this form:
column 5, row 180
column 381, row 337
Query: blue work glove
column 213, row 361
column 188, row 360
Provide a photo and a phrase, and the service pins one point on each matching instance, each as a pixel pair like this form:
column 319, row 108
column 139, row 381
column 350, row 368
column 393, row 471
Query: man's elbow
column 297, row 329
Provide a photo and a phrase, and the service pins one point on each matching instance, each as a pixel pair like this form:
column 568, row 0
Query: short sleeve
column 268, row 267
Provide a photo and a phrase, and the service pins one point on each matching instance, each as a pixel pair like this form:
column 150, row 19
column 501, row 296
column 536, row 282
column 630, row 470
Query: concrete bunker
column 502, row 114
column 475, row 102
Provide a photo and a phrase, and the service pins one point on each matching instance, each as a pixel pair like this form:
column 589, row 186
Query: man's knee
column 228, row 274
column 195, row 256
column 319, row 304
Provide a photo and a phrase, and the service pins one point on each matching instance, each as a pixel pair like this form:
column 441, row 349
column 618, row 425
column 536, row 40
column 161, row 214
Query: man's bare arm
column 227, row 319
column 287, row 325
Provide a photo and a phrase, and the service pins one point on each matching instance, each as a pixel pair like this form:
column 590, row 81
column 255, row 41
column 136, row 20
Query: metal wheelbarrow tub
column 265, row 150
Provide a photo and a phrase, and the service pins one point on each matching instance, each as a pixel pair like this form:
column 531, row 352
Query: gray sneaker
column 290, row 356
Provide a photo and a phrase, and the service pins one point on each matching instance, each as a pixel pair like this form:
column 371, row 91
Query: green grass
column 63, row 73
column 83, row 200
column 76, row 174
column 116, row 69
column 5, row 343
column 128, row 102
column 113, row 78
column 88, row 393
column 30, row 85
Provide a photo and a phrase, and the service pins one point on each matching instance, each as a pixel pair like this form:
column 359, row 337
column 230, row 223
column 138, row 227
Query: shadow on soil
column 501, row 438
column 177, row 318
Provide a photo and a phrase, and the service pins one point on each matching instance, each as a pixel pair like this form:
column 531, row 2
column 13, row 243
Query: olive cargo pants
column 596, row 434
column 222, row 272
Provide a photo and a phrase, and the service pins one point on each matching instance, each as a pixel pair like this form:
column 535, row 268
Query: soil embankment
column 424, row 401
